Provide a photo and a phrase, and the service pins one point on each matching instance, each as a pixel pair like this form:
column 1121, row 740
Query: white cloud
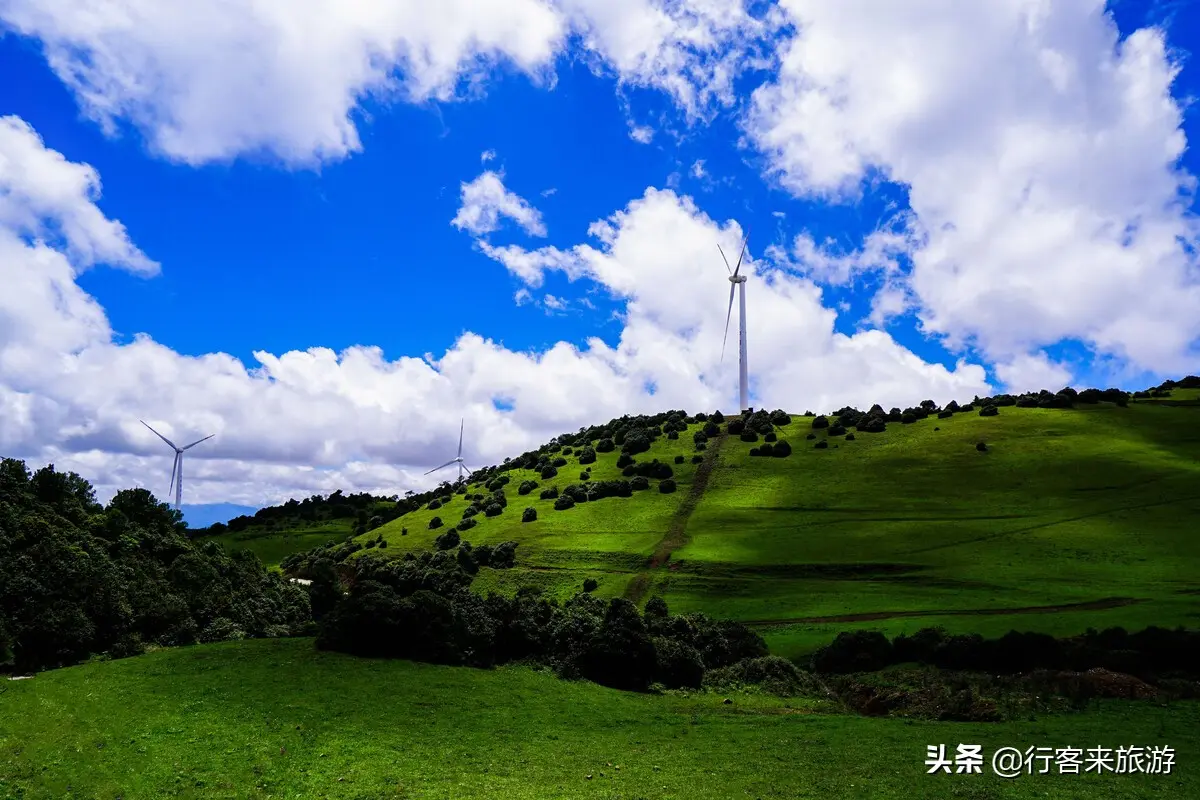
column 485, row 201
column 486, row 156
column 1039, row 152
column 697, row 170
column 549, row 192
column 217, row 80
column 1033, row 372
column 354, row 420
column 641, row 133
column 554, row 303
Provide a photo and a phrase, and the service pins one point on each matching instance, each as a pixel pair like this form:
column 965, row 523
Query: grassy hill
column 274, row 718
column 1072, row 518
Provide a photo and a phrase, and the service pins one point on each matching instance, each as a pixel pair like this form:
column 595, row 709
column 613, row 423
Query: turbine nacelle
column 177, row 466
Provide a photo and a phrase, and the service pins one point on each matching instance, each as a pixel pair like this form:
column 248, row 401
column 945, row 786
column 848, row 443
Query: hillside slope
column 1071, row 518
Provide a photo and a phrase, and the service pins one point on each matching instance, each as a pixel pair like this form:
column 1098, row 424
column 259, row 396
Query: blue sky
column 267, row 243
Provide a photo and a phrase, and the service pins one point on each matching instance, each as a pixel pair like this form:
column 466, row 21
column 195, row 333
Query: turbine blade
column 470, row 472
column 739, row 264
column 728, row 315
column 159, row 435
column 461, row 423
column 198, row 441
column 443, row 466
column 174, row 468
column 726, row 260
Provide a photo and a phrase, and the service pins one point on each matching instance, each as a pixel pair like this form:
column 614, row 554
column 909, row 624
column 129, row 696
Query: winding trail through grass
column 1091, row 605
column 676, row 535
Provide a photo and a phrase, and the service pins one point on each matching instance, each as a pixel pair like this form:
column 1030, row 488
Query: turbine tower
column 737, row 283
column 457, row 459
column 177, row 467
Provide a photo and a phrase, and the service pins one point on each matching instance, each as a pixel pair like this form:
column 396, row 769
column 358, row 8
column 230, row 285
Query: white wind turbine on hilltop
column 737, row 283
column 177, row 467
column 462, row 468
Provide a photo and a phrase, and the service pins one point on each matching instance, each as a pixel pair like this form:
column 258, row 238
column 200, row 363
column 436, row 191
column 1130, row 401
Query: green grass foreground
column 276, row 718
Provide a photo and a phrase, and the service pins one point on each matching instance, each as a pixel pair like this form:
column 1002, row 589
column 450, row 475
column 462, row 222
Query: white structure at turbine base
column 737, row 283
column 177, row 467
column 462, row 468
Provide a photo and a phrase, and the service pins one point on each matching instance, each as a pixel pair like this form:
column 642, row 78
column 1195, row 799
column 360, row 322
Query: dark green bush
column 666, row 486
column 590, row 584
column 434, row 523
column 549, row 472
column 989, row 411
column 447, row 541
column 820, row 422
column 563, row 503
column 821, row 445
column 639, row 482
column 550, row 493
column 679, row 459
column 529, row 515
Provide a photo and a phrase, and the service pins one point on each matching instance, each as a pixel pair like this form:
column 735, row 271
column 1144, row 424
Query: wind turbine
column 737, row 282
column 177, row 467
column 457, row 459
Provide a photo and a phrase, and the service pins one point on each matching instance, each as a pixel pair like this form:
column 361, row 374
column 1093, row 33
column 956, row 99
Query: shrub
column 529, row 515
column 447, row 541
column 404, row 531
column 624, row 460
column 781, row 450
column 656, row 607
column 989, row 411
column 677, row 665
column 821, row 445
column 564, row 502
column 590, row 585
column 699, row 437
column 470, row 511
column 854, row 651
column 779, row 418
column 908, row 418
column 711, row 429
column 945, row 414
column 772, row 673
column 585, row 475
column 549, row 472
column 717, row 417
column 383, row 543
column 493, row 510
column 749, row 436
column 837, row 429
column 679, row 459
column 753, row 451
column 672, row 435
column 605, row 446
column 638, row 483
column 820, row 422
column 981, row 447
column 872, row 425
column 466, row 524
column 735, row 427
column 549, row 494
column 849, row 437
column 435, row 523
column 666, row 486
column 587, row 455
column 811, row 436
column 770, row 437
column 767, row 449
column 434, row 504
column 701, row 447
column 526, row 487
column 696, row 459
column 559, row 462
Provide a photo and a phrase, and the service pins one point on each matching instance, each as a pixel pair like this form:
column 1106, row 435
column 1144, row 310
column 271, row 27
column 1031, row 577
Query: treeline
column 79, row 579
column 1148, row 654
column 421, row 607
column 368, row 512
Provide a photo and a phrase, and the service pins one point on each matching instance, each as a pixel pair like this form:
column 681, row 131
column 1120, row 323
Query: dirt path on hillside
column 676, row 535
column 1092, row 605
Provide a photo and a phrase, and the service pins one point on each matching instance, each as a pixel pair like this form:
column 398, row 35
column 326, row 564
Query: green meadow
column 278, row 719
column 1072, row 518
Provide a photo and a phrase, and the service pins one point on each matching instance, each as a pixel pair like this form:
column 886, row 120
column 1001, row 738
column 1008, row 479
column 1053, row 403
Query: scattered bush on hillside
column 526, row 487
column 649, row 469
column 770, row 437
column 981, row 447
column 701, row 447
column 624, row 460
column 872, row 424
column 549, row 494
column 493, row 510
column 771, row 673
column 821, row 445
column 717, row 417
column 699, row 437
column 849, row 437
column 837, row 429
column 605, row 446
column 711, row 429
column 447, row 541
column 989, row 411
column 779, row 418
column 638, row 483
column 587, row 455
column 434, row 504
column 404, row 531
column 781, row 450
column 696, row 459
column 434, row 523
column 549, row 472
column 529, row 515
column 679, row 459
column 811, row 436
column 735, row 427
column 590, row 585
column 564, row 502
column 945, row 414
column 466, row 524
column 820, row 422
column 666, row 486
column 749, row 436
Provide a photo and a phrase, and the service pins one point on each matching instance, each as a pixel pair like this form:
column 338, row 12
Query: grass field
column 1072, row 519
column 275, row 718
column 271, row 546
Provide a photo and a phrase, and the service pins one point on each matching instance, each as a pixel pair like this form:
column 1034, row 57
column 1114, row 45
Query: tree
column 666, row 486
column 447, row 541
column 435, row 523
column 820, row 422
column 549, row 472
column 989, row 411
column 529, row 515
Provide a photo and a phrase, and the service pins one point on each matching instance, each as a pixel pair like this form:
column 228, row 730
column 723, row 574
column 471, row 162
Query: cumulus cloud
column 643, row 134
column 485, row 201
column 217, row 80
column 1040, row 154
column 311, row 421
